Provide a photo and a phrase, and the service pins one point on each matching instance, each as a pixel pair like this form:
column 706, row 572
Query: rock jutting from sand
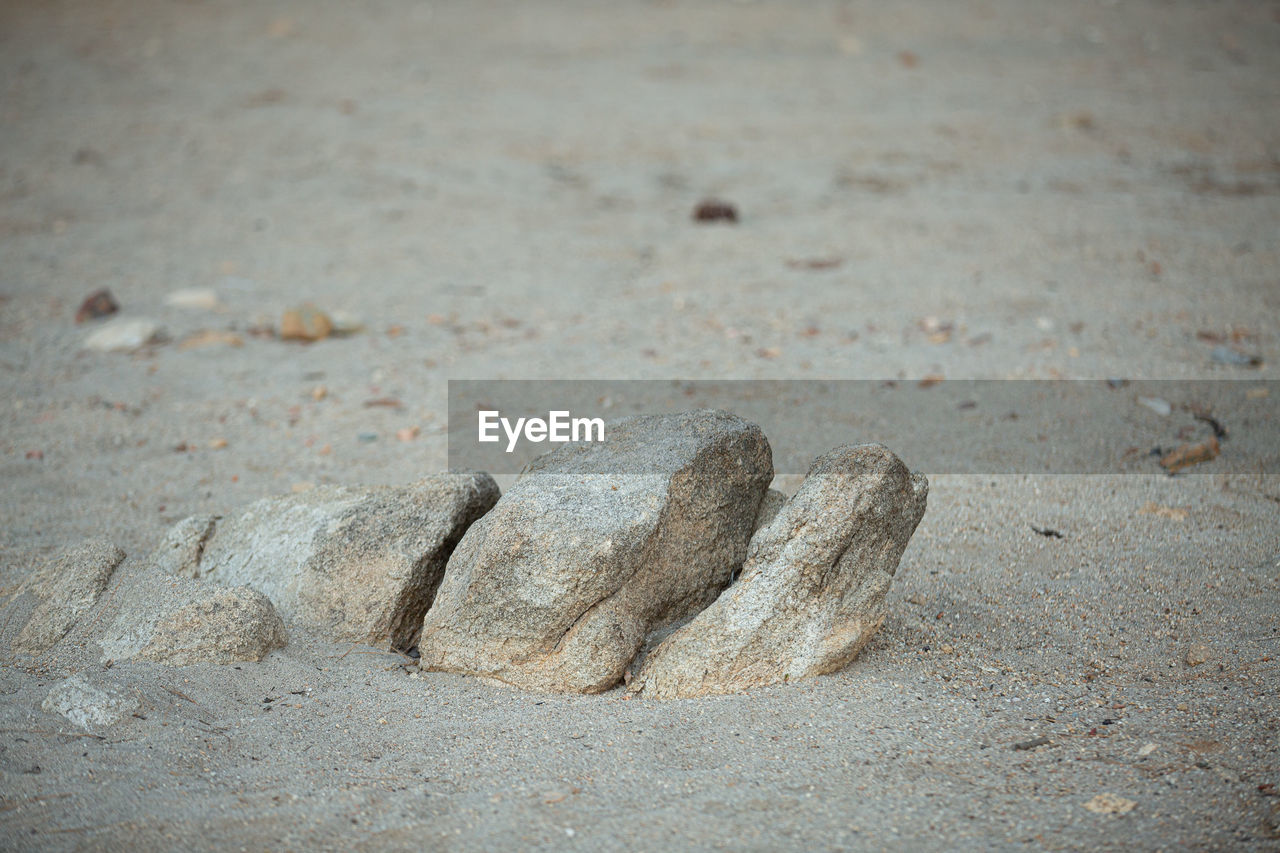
column 812, row 590
column 358, row 564
column 67, row 587
column 178, row 621
column 595, row 546
column 88, row 705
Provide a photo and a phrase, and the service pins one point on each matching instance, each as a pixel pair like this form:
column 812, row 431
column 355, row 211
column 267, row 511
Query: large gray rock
column 178, row 621
column 358, row 564
column 812, row 590
column 67, row 587
column 596, row 545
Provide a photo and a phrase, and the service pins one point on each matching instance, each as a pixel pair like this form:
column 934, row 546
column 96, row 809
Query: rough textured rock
column 812, row 590
column 68, row 586
column 87, row 705
column 359, row 564
column 179, row 621
column 596, row 545
column 773, row 501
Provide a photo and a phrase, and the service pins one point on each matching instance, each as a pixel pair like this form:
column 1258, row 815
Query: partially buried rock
column 178, row 621
column 306, row 323
column 68, row 586
column 124, row 334
column 595, row 546
column 813, row 588
column 88, row 705
column 715, row 210
column 359, row 564
column 100, row 303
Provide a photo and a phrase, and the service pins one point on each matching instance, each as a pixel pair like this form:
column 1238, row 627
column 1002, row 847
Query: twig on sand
column 182, row 695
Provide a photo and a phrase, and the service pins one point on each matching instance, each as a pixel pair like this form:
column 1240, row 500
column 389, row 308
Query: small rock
column 183, row 544
column 361, row 564
column 210, row 337
column 306, row 323
column 1156, row 404
column 812, row 590
column 195, row 297
column 1227, row 355
column 100, row 303
column 1147, row 749
column 1197, row 654
column 1182, row 706
column 1110, row 804
column 345, row 323
column 1169, row 512
column 1031, row 744
column 123, row 335
column 1187, row 455
column 177, row 621
column 89, row 706
column 714, row 210
column 408, row 433
column 68, row 585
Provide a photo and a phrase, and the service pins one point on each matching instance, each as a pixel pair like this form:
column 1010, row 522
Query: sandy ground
column 503, row 191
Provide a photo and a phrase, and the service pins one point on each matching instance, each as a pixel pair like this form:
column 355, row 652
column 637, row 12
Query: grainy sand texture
column 483, row 190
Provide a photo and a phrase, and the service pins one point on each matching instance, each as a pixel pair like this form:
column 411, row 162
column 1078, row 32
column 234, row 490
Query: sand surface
column 1011, row 189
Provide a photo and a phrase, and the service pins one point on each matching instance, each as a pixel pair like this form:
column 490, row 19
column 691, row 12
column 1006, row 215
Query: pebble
column 1227, row 355
column 1110, row 804
column 123, row 335
column 195, row 297
column 1198, row 653
column 306, row 323
column 1156, row 404
column 100, row 303
column 714, row 210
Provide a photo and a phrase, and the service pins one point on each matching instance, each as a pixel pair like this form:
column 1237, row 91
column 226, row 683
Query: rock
column 306, row 323
column 769, row 506
column 123, row 335
column 1186, row 455
column 1157, row 404
column 359, row 564
column 595, row 546
column 68, row 585
column 180, row 550
column 1198, row 653
column 203, row 298
column 346, row 323
column 89, row 706
column 100, row 303
column 1110, row 804
column 177, row 621
column 1227, row 355
column 812, row 590
column 715, row 210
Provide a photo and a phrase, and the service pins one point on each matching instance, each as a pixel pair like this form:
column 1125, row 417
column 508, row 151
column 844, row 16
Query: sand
column 504, row 191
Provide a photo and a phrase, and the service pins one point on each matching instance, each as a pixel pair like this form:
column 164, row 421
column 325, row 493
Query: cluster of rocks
column 659, row 559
